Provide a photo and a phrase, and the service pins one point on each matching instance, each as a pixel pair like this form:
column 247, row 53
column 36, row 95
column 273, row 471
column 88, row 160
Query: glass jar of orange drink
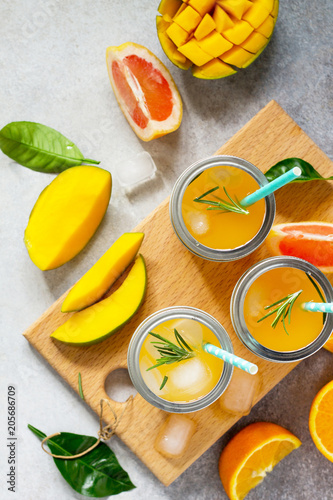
column 188, row 383
column 199, row 219
column 267, row 309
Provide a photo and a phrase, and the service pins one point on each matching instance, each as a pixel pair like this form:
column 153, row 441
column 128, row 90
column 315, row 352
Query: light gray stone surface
column 53, row 71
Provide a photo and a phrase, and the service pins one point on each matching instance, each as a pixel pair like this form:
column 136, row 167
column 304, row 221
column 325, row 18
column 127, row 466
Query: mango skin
column 66, row 215
column 103, row 319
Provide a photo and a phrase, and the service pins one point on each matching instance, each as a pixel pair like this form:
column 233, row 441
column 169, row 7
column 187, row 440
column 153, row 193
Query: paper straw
column 231, row 358
column 271, row 187
column 318, row 307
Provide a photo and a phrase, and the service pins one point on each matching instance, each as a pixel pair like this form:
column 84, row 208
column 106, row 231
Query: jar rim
column 178, row 224
column 138, row 338
column 237, row 309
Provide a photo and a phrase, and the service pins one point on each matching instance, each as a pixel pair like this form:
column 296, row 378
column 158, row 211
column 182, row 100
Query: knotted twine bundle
column 104, row 433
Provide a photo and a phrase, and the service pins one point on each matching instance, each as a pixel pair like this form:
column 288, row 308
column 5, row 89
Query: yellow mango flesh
column 99, row 321
column 177, row 34
column 212, row 70
column 169, row 47
column 169, row 7
column 66, row 215
column 237, row 56
column 192, row 51
column 188, row 19
column 96, row 282
column 204, row 20
column 206, row 26
column 214, row 44
column 254, row 42
column 222, row 20
column 202, row 6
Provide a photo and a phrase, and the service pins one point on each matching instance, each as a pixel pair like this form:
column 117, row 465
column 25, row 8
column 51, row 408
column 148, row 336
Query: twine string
column 104, row 433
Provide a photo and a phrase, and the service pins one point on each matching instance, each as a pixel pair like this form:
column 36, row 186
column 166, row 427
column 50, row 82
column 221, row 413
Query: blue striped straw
column 231, row 358
column 318, row 307
column 271, row 187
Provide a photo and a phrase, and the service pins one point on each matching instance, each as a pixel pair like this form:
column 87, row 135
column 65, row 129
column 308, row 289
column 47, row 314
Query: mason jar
column 237, row 309
column 138, row 338
column 176, row 216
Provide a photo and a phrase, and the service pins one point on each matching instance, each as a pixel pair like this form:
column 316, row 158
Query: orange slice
column 321, row 421
column 311, row 241
column 253, row 452
column 145, row 90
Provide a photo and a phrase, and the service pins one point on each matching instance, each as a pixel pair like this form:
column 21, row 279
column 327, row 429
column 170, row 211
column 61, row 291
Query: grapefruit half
column 145, row 90
column 311, row 241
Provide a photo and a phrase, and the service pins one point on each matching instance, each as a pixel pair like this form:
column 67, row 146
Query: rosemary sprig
column 80, row 387
column 283, row 310
column 170, row 352
column 222, row 205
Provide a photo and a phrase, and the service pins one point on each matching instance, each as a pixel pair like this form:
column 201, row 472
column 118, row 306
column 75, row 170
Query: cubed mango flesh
column 177, row 34
column 202, row 6
column 237, row 56
column 206, row 26
column 256, row 15
column 207, row 32
column 221, row 19
column 194, row 53
column 214, row 44
column 240, row 31
column 254, row 42
column 212, row 70
column 188, row 19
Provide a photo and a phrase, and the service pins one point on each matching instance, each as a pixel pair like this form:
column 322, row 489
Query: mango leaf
column 96, row 474
column 40, row 148
column 308, row 172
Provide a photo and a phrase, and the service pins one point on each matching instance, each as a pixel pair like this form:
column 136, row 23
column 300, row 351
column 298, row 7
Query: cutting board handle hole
column 118, row 385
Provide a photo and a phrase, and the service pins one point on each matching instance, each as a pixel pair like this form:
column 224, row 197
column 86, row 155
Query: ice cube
column 190, row 376
column 198, row 222
column 239, row 395
column 135, row 170
column 175, row 436
column 191, row 331
column 152, row 378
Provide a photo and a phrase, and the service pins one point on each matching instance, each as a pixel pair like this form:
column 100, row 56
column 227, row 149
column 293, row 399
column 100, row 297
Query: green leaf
column 308, row 172
column 96, row 474
column 40, row 148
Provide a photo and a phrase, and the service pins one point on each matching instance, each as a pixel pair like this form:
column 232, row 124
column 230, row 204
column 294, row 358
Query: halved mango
column 214, row 28
column 66, row 215
column 99, row 321
column 96, row 282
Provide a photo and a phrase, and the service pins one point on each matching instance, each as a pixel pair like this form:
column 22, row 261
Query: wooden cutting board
column 176, row 277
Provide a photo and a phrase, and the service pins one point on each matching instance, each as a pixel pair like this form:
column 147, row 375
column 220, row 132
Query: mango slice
column 214, row 28
column 66, row 215
column 96, row 282
column 97, row 322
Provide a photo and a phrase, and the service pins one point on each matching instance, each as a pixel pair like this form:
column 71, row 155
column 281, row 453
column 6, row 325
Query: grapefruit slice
column 311, row 241
column 145, row 90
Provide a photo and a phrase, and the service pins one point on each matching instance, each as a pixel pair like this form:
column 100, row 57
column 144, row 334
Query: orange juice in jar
column 193, row 380
column 267, row 309
column 201, row 221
